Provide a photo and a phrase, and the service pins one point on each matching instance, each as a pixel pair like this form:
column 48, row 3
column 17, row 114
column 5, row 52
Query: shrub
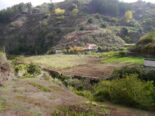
column 127, row 71
column 74, row 50
column 90, row 21
column 59, row 11
column 142, row 73
column 75, row 12
column 20, row 67
column 146, row 44
column 3, row 105
column 33, row 69
column 128, row 91
column 27, row 70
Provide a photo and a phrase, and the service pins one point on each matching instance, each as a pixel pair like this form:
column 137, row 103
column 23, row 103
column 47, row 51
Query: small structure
column 91, row 47
column 149, row 63
column 58, row 51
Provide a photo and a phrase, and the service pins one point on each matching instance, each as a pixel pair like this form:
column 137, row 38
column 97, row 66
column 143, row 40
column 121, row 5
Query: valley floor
column 44, row 95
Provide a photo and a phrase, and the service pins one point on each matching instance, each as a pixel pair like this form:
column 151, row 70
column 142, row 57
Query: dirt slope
column 5, row 69
column 31, row 97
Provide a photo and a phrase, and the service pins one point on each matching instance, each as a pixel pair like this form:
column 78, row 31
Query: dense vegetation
column 69, row 27
column 131, row 86
column 108, row 7
column 142, row 73
column 146, row 44
column 51, row 23
column 129, row 91
column 7, row 14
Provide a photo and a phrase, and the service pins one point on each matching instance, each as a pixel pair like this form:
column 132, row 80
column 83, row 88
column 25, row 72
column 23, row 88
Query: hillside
column 103, row 38
column 146, row 44
column 77, row 58
column 35, row 30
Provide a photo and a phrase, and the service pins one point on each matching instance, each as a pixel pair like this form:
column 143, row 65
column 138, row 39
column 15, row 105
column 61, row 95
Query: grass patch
column 55, row 61
column 40, row 87
column 3, row 104
column 85, row 93
column 134, row 60
column 83, row 110
column 117, row 57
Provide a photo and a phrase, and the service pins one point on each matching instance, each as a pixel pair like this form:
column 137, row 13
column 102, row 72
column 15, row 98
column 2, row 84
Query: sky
column 8, row 3
column 153, row 1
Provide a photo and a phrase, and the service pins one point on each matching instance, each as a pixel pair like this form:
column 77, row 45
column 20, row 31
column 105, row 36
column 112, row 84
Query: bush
column 59, row 11
column 75, row 12
column 127, row 71
column 33, row 69
column 142, row 73
column 27, row 70
column 90, row 21
column 74, row 50
column 146, row 44
column 129, row 91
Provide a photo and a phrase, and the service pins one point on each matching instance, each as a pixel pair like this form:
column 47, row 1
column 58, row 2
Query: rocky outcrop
column 103, row 38
column 5, row 69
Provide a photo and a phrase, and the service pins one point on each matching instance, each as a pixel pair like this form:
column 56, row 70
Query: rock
column 6, row 72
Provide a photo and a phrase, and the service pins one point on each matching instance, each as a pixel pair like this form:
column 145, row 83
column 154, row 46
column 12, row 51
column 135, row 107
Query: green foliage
column 27, row 70
column 59, row 11
column 40, row 87
column 3, row 105
column 90, row 20
column 5, row 15
column 77, row 111
column 119, row 57
column 20, row 67
column 142, row 73
column 33, row 69
column 146, row 44
column 75, row 12
column 85, row 93
column 128, row 16
column 148, row 38
column 129, row 91
column 108, row 7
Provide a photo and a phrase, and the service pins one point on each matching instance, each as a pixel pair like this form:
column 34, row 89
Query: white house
column 91, row 47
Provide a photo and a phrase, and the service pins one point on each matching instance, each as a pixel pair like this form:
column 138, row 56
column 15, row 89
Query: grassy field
column 115, row 57
column 68, row 61
column 56, row 61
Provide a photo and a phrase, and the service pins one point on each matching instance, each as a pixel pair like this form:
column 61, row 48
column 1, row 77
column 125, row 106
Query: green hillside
column 146, row 44
column 35, row 30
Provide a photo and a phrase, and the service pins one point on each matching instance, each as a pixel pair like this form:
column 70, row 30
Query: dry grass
column 56, row 61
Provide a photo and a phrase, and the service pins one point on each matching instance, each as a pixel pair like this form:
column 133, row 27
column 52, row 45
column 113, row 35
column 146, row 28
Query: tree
column 108, row 7
column 75, row 11
column 128, row 16
column 59, row 11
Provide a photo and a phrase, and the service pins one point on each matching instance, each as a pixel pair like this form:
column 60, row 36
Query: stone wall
column 149, row 63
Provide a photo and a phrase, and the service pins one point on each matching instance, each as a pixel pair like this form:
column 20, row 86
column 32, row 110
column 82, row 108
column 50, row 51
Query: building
column 91, row 47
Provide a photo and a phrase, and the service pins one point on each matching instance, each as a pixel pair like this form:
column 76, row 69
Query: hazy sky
column 136, row 0
column 7, row 3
